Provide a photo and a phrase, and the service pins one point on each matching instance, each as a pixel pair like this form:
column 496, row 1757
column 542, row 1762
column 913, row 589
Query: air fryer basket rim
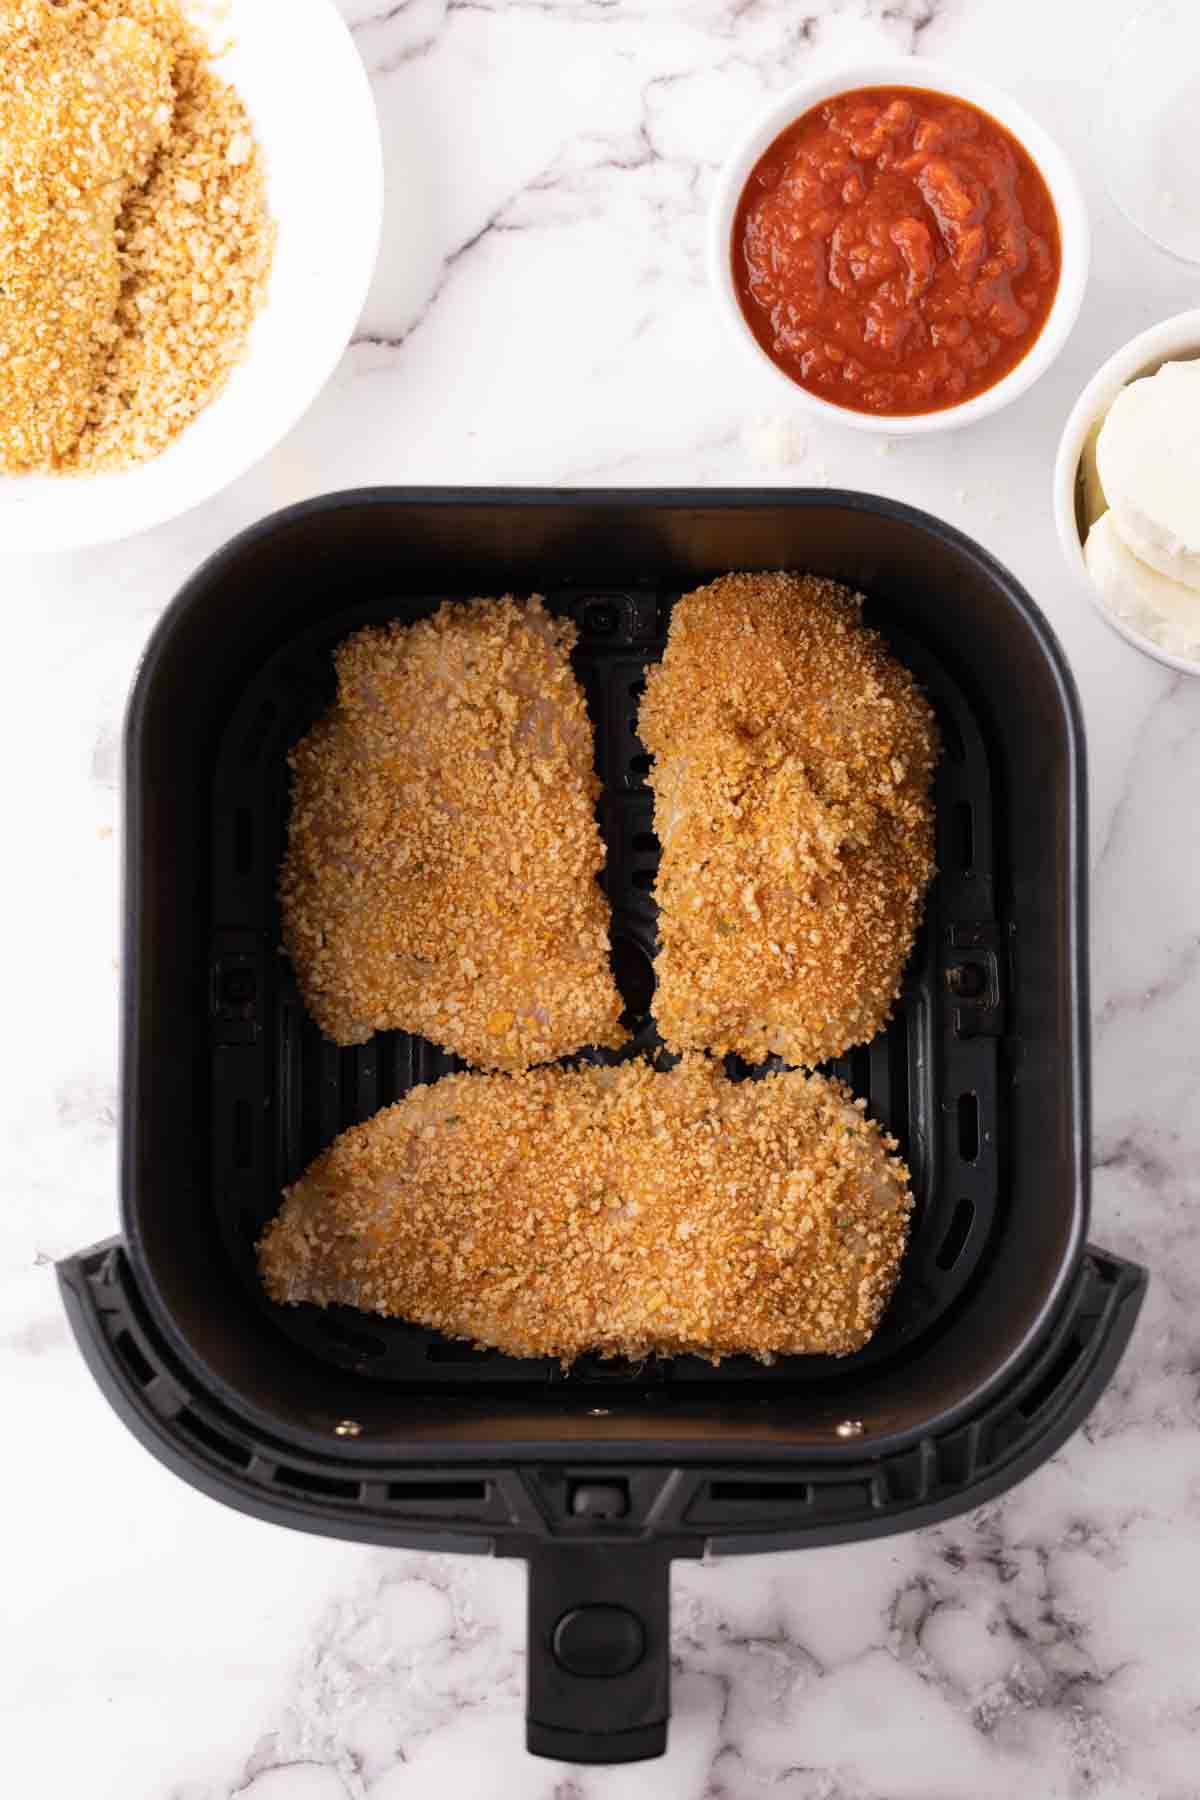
column 698, row 499
column 211, row 571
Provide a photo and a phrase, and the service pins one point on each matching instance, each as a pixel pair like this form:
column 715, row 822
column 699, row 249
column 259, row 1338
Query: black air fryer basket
column 1005, row 1326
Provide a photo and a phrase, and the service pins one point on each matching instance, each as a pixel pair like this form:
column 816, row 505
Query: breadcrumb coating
column 792, row 766
column 82, row 115
column 613, row 1210
column 440, row 874
column 135, row 238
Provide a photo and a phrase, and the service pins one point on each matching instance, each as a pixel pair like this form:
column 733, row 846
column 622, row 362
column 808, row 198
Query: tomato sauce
column 896, row 251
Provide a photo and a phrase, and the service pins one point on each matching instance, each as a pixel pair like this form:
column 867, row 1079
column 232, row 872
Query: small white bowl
column 913, row 72
column 1175, row 340
column 305, row 87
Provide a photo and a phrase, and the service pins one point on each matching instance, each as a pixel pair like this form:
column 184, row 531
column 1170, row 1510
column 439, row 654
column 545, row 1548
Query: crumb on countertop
column 775, row 442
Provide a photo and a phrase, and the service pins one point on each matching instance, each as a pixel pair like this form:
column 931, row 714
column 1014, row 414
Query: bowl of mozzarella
column 1127, row 491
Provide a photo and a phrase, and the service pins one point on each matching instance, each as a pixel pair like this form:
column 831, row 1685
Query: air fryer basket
column 1004, row 1328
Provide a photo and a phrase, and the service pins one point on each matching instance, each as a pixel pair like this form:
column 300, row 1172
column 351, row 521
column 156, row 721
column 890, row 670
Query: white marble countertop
column 541, row 316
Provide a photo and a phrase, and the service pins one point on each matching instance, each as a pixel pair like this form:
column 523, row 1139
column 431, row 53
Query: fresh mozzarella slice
column 1148, row 455
column 1163, row 609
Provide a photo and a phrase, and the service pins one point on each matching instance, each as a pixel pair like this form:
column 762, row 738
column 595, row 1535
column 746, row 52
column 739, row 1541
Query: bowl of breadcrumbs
column 191, row 196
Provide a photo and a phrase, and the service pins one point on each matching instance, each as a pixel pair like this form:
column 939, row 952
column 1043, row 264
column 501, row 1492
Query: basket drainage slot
column 968, row 1126
column 307, row 1481
column 131, row 1355
column 435, row 1493
column 761, row 1491
column 640, row 765
column 1052, row 1380
column 212, row 1439
column 964, row 835
column 955, row 1240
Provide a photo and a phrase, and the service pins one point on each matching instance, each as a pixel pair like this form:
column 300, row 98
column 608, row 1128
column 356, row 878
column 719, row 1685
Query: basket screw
column 850, row 1428
column 967, row 979
column 347, row 1428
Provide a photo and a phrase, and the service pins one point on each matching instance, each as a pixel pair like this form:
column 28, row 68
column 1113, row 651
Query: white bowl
column 1175, row 340
column 915, row 72
column 306, row 89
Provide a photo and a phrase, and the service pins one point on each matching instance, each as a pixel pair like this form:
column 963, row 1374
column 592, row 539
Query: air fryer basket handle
column 598, row 1672
column 599, row 1678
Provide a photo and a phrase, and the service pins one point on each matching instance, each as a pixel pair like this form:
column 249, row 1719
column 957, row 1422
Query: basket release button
column 599, row 1640
column 598, row 1499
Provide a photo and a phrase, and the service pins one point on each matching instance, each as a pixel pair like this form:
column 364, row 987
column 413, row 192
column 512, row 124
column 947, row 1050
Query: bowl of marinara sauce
column 902, row 245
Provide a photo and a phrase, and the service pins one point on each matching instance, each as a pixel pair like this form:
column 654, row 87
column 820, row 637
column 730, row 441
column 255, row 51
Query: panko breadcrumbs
column 135, row 240
column 615, row 1210
column 442, row 855
column 793, row 759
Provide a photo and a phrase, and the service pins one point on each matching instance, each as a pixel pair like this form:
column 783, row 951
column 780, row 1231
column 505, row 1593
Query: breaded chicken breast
column 442, row 855
column 792, row 765
column 615, row 1210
